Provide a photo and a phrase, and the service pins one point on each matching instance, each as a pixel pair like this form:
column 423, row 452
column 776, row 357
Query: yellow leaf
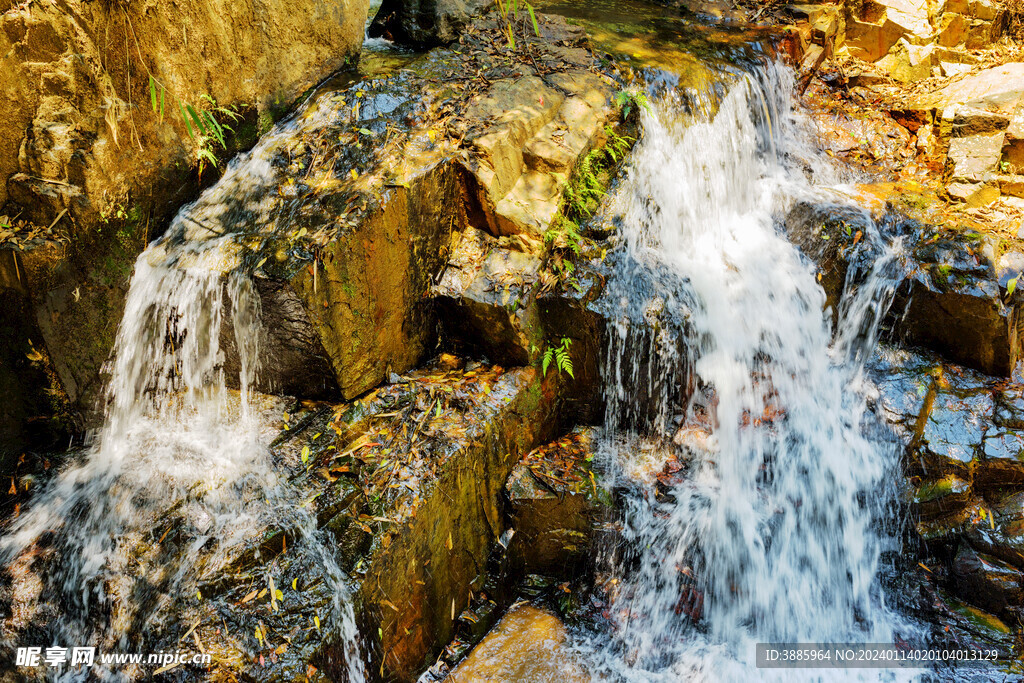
column 354, row 173
column 449, row 541
column 294, row 582
column 199, row 595
column 279, row 594
column 249, row 596
column 316, row 622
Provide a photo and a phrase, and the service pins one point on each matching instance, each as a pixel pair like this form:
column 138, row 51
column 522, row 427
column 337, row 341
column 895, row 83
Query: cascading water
column 180, row 477
column 775, row 533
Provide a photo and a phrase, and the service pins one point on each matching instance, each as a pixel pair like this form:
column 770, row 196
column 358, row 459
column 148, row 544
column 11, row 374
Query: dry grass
column 1015, row 18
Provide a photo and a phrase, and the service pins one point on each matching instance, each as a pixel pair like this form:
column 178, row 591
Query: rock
column 968, row 121
column 955, row 306
column 943, row 496
column 952, row 69
column 1012, row 186
column 526, row 645
column 813, row 58
column 973, row 194
column 362, row 237
column 950, row 432
column 825, row 27
column 456, row 508
column 907, row 62
column 484, row 299
column 1001, row 534
column 521, row 161
column 28, row 382
column 871, row 40
column 69, row 141
column 904, row 381
column 987, row 582
column 974, row 158
column 982, row 34
column 950, row 301
column 556, row 503
column 952, row 30
column 995, row 89
column 414, row 550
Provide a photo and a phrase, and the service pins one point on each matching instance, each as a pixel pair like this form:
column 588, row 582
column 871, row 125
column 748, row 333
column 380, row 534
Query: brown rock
column 987, row 582
column 973, row 194
column 526, row 645
column 998, row 88
column 556, row 505
column 952, row 30
column 974, row 158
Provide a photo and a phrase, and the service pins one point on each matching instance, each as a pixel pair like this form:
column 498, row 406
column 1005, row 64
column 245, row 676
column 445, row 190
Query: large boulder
column 83, row 152
column 528, row 644
column 79, row 133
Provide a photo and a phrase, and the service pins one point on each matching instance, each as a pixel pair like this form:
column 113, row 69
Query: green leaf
column 163, row 92
column 184, row 117
column 511, row 39
column 533, row 18
column 1011, row 285
column 195, row 117
column 546, row 361
column 152, row 92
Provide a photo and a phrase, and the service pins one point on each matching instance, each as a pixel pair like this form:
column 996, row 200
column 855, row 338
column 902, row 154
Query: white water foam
column 177, row 449
column 777, row 519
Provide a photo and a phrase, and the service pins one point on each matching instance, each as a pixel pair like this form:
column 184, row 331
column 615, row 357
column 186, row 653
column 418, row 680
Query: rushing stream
column 179, row 479
column 776, row 532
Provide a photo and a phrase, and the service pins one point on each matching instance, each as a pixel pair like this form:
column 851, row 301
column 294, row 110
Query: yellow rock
column 528, row 644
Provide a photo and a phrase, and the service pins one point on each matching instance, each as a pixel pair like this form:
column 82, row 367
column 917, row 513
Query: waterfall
column 775, row 532
column 179, row 452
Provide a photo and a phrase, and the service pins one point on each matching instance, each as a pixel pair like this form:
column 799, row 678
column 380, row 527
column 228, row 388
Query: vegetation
column 201, row 122
column 513, row 19
column 559, row 355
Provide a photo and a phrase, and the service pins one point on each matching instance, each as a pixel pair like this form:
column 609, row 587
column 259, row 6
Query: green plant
column 565, row 233
column 560, row 356
column 509, row 13
column 201, row 124
column 632, row 100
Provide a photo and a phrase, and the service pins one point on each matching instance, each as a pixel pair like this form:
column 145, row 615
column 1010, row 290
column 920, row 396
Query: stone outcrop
column 82, row 151
column 361, row 256
column 965, row 462
column 950, row 298
column 526, row 645
column 964, row 125
column 79, row 134
column 556, row 505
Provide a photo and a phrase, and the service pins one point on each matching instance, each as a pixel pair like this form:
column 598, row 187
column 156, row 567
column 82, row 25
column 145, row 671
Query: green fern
column 560, row 356
column 630, row 100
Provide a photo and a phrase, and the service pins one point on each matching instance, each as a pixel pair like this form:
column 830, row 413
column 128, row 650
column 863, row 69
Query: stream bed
column 340, row 440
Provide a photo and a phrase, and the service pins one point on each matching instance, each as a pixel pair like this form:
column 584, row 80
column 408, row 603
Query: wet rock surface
column 950, row 298
column 966, row 490
column 348, row 243
column 526, row 645
column 557, row 505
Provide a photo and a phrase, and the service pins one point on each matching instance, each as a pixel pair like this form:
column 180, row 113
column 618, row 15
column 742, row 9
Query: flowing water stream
column 180, row 478
column 776, row 532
